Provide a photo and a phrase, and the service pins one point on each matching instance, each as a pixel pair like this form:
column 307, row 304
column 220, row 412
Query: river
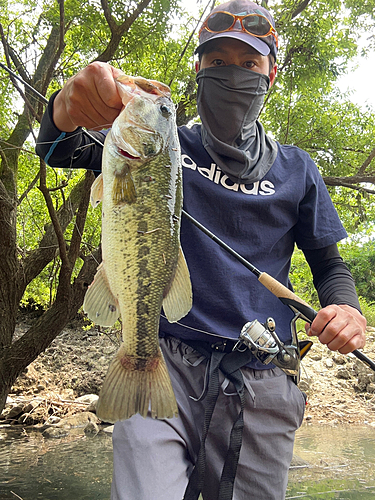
column 331, row 463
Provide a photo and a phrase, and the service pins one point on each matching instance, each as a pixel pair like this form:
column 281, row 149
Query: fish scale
column 143, row 267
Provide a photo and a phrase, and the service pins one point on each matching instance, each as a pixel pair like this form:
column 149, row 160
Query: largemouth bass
column 143, row 267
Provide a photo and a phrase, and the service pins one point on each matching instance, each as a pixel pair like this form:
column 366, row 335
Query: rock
column 343, row 373
column 370, row 388
column 78, row 420
column 87, row 398
column 109, row 429
column 339, row 359
column 91, row 429
column 304, row 385
column 91, row 399
column 15, row 411
column 9, row 401
column 328, row 362
column 53, row 420
column 55, row 432
column 92, row 406
column 316, row 356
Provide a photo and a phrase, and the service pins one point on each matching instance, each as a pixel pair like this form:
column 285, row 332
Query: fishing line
column 197, row 329
column 72, row 135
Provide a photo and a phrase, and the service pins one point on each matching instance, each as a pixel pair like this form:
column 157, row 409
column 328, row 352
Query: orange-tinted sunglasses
column 253, row 24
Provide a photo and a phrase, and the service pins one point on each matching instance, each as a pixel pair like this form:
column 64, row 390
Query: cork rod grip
column 279, row 290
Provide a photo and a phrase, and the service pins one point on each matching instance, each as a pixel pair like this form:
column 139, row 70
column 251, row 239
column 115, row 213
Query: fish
column 143, row 268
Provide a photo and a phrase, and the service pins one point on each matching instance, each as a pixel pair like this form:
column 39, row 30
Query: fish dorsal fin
column 100, row 305
column 124, row 189
column 97, row 191
column 179, row 298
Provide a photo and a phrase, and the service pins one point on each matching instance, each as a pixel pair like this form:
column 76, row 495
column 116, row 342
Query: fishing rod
column 286, row 296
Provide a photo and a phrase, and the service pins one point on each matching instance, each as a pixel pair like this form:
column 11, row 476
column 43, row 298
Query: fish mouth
column 126, row 154
column 134, row 131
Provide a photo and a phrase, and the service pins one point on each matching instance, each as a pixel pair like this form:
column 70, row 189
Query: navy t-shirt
column 260, row 221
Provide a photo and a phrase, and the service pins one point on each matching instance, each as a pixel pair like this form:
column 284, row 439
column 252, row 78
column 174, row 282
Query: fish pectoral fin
column 179, row 297
column 99, row 304
column 124, row 189
column 97, row 191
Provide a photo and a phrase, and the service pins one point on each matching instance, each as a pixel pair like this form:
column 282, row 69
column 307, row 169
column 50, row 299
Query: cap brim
column 253, row 41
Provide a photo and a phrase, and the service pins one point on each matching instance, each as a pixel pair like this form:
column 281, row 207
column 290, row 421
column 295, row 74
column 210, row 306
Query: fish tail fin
column 132, row 384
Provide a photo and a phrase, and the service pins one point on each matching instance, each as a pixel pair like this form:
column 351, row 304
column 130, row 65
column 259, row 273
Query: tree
column 46, row 44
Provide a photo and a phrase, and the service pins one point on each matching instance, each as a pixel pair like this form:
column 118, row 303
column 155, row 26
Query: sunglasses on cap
column 253, row 24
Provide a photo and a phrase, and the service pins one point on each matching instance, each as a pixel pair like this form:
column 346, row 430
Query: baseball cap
column 263, row 44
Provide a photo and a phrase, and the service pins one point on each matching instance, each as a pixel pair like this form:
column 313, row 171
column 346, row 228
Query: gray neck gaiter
column 229, row 101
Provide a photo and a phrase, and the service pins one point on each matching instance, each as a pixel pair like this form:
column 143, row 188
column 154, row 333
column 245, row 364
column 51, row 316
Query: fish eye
column 165, row 110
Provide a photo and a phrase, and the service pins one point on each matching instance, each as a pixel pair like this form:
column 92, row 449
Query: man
column 261, row 198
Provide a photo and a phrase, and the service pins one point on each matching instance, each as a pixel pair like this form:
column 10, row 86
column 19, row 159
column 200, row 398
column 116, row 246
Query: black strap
column 196, row 480
column 229, row 364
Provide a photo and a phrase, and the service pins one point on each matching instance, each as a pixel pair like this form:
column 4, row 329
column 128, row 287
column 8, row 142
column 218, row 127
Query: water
column 75, row 467
column 335, row 463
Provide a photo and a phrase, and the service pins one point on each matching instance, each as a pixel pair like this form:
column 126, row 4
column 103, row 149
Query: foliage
column 46, row 256
column 361, row 262
column 301, row 279
column 368, row 311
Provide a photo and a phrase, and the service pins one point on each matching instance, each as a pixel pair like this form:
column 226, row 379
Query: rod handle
column 279, row 290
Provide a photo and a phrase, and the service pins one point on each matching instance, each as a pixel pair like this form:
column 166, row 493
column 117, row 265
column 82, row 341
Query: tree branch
column 37, row 260
column 300, row 8
column 108, row 15
column 118, row 31
column 52, row 213
column 75, row 243
column 366, row 163
column 352, row 182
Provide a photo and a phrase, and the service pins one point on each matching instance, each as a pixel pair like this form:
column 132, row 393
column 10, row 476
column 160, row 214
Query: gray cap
column 264, row 45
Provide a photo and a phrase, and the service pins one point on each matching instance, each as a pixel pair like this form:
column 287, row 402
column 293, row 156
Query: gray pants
column 154, row 458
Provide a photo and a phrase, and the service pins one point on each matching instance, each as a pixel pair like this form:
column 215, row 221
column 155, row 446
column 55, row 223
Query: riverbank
column 340, row 389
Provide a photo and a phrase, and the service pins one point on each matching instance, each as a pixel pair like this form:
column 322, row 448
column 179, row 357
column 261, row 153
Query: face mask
column 229, row 102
